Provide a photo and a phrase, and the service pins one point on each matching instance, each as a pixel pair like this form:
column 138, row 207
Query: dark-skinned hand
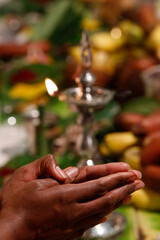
column 40, row 201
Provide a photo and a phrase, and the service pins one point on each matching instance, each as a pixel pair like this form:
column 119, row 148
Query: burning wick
column 52, row 89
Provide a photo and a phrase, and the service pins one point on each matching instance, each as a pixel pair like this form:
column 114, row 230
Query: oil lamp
column 87, row 99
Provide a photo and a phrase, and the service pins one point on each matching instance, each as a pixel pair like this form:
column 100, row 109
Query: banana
column 153, row 40
column 91, row 24
column 106, row 42
column 27, row 91
column 117, row 142
column 146, row 199
column 132, row 31
column 132, row 156
column 104, row 150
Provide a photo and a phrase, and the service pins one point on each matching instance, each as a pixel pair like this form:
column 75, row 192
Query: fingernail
column 60, row 172
column 139, row 186
column 126, row 165
column 72, row 172
column 132, row 178
column 137, row 173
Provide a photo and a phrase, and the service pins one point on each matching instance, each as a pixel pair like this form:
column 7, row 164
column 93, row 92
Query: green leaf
column 149, row 223
column 60, row 108
column 61, row 24
column 52, row 19
column 109, row 112
column 141, row 105
column 1, row 181
column 20, row 161
column 20, row 7
column 67, row 159
column 131, row 232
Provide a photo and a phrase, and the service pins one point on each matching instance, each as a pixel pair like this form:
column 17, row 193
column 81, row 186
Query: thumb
column 47, row 166
column 44, row 167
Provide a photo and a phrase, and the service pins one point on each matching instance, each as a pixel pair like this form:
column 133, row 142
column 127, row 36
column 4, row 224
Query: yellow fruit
column 104, row 150
column 132, row 156
column 101, row 59
column 75, row 52
column 117, row 142
column 154, row 40
column 27, row 91
column 106, row 42
column 146, row 199
column 133, row 32
column 90, row 24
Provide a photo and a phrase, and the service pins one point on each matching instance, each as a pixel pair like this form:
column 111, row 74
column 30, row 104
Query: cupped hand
column 45, row 209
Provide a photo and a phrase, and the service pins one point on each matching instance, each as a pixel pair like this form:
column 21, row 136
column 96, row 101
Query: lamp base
column 112, row 229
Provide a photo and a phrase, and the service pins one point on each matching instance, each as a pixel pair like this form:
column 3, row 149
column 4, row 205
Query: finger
column 72, row 173
column 46, row 166
column 93, row 189
column 111, row 200
column 93, row 220
column 93, row 172
column 87, row 222
column 100, row 217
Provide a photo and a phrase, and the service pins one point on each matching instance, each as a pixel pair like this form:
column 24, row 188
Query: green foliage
column 30, row 5
column 131, row 230
column 1, row 181
column 67, row 159
column 42, row 71
column 141, row 105
column 20, row 160
column 20, row 7
column 109, row 112
column 61, row 24
column 61, row 108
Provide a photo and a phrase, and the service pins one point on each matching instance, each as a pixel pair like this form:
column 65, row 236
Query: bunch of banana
column 125, row 145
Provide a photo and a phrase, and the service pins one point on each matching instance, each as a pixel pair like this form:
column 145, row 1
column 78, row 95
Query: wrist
column 13, row 229
column 6, row 230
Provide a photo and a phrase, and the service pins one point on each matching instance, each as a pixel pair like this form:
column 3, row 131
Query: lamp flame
column 52, row 89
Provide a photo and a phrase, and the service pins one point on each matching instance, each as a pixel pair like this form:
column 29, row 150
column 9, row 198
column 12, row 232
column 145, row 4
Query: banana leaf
column 142, row 105
column 131, row 232
column 67, row 159
column 61, row 24
column 141, row 224
column 149, row 224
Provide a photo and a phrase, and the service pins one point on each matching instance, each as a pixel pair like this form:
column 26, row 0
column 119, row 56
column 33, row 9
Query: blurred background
column 41, row 39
